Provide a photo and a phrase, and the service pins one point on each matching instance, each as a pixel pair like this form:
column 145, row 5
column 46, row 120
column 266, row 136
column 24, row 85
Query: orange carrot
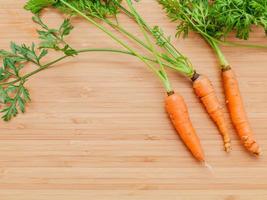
column 205, row 92
column 178, row 113
column 237, row 111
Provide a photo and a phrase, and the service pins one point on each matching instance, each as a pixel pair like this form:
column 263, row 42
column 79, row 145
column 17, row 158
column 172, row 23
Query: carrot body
column 206, row 93
column 178, row 113
column 237, row 111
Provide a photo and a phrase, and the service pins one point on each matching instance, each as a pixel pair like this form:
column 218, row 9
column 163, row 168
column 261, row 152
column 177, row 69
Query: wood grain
column 97, row 129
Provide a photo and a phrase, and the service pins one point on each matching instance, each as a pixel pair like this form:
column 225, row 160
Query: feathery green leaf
column 217, row 18
column 13, row 94
column 36, row 6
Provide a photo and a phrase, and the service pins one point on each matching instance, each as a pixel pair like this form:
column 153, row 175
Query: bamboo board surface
column 96, row 127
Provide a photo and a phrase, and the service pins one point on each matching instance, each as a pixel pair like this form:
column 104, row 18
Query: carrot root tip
column 258, row 152
column 227, row 144
column 208, row 166
column 251, row 145
column 227, row 147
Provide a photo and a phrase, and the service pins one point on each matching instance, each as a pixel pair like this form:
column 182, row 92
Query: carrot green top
column 214, row 20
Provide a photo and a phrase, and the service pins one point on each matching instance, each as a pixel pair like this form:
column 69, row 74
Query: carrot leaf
column 13, row 94
column 216, row 19
column 35, row 6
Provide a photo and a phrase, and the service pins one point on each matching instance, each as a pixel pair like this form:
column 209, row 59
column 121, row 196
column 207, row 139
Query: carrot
column 178, row 113
column 237, row 111
column 206, row 93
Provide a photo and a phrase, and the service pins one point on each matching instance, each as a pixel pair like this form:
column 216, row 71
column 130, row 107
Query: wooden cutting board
column 97, row 129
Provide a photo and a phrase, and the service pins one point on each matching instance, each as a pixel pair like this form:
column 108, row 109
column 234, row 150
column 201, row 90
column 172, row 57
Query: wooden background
column 97, row 129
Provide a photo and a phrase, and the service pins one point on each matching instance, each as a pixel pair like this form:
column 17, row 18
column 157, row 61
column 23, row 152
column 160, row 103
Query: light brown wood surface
column 97, row 129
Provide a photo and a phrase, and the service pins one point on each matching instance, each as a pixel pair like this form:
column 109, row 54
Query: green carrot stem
column 50, row 64
column 223, row 62
column 163, row 72
column 184, row 64
column 169, row 46
column 116, row 39
column 181, row 68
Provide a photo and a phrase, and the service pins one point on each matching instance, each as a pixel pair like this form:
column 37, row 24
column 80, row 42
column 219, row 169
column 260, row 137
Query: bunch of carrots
column 191, row 15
